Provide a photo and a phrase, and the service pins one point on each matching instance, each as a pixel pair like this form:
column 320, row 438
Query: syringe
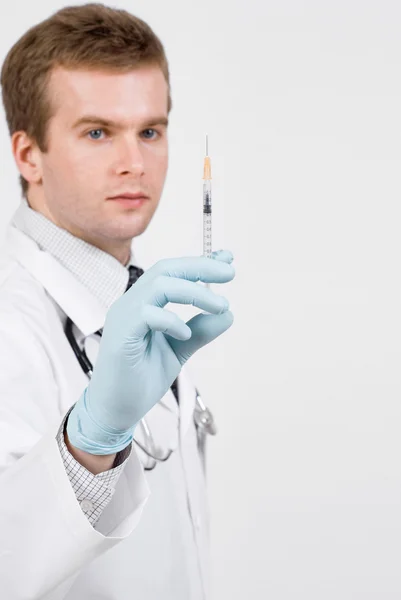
column 207, row 205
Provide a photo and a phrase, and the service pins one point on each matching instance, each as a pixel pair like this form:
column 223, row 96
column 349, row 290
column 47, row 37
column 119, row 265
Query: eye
column 96, row 131
column 151, row 130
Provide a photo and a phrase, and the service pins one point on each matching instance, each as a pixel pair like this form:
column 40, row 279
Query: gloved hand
column 144, row 346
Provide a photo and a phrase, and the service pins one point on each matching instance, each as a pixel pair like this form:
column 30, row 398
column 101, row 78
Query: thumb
column 205, row 328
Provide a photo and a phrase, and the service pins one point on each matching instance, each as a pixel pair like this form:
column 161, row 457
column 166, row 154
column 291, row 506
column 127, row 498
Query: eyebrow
column 87, row 119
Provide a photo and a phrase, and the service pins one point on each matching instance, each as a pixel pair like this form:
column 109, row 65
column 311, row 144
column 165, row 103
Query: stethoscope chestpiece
column 203, row 417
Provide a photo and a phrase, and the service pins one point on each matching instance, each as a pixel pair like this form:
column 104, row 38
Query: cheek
column 84, row 160
column 63, row 162
column 157, row 165
column 56, row 169
column 85, row 167
column 163, row 166
column 71, row 177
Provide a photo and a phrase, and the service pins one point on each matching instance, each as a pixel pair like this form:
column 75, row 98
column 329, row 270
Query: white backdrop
column 301, row 101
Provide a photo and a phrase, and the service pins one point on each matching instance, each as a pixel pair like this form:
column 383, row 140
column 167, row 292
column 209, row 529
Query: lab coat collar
column 104, row 276
column 84, row 309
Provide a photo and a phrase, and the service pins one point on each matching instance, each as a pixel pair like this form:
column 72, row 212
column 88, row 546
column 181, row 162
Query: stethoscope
column 203, row 417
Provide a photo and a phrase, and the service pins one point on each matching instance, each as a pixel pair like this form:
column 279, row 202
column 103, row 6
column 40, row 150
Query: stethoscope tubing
column 203, row 417
column 87, row 368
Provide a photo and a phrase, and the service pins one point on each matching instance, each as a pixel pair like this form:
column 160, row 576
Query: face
column 108, row 137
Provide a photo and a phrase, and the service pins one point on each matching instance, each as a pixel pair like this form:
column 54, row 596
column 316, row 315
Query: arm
column 93, row 490
column 93, row 463
column 45, row 535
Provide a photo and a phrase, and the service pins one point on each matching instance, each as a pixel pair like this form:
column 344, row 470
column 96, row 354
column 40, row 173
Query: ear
column 27, row 157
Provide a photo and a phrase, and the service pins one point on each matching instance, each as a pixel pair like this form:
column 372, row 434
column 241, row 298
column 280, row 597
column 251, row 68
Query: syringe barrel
column 207, row 234
column 207, row 196
column 207, row 218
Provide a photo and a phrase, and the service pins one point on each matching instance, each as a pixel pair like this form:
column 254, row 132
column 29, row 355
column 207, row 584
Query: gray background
column 301, row 101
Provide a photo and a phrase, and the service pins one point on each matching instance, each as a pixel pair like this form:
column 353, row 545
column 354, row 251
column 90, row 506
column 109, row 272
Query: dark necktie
column 134, row 274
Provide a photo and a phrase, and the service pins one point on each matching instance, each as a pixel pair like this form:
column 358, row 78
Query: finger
column 158, row 319
column 196, row 268
column 205, row 328
column 180, row 291
column 223, row 255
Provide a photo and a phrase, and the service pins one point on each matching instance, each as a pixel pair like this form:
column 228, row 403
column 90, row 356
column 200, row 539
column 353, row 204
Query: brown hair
column 91, row 36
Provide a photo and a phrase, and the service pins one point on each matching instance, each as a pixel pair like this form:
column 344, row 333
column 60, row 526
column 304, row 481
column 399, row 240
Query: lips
column 129, row 196
column 130, row 201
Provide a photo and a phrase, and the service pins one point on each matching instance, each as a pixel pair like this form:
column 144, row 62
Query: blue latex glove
column 144, row 346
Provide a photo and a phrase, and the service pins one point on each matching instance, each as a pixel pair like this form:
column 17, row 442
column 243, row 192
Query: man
column 85, row 511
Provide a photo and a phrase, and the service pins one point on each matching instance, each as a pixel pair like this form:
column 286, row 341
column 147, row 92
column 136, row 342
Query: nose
column 129, row 157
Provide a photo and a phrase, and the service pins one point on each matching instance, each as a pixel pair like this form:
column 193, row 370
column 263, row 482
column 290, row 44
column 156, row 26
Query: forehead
column 135, row 93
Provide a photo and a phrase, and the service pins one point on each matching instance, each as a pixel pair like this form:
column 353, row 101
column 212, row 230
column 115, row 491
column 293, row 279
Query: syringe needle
column 207, row 152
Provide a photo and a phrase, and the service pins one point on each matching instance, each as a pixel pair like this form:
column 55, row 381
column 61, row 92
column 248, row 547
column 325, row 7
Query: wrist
column 86, row 434
column 94, row 463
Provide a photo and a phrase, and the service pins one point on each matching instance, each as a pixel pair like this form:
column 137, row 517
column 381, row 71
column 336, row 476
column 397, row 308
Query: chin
column 127, row 228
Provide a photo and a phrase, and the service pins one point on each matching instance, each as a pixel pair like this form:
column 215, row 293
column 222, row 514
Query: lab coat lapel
column 75, row 300
column 187, row 394
column 88, row 315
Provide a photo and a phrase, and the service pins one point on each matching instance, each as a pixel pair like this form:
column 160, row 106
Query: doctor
column 85, row 511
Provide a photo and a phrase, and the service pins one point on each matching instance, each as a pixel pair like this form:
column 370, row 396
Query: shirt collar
column 100, row 273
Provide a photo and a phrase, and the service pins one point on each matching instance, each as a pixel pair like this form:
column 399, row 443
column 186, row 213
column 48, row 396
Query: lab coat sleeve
column 98, row 489
column 45, row 537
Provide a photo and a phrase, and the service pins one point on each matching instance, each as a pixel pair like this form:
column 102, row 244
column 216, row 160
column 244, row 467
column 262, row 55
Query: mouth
column 130, row 200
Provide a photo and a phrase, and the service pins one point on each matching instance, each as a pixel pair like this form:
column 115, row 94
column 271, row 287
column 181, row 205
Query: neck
column 119, row 249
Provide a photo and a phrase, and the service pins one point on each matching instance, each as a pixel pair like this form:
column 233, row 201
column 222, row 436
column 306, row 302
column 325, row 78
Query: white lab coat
column 151, row 542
